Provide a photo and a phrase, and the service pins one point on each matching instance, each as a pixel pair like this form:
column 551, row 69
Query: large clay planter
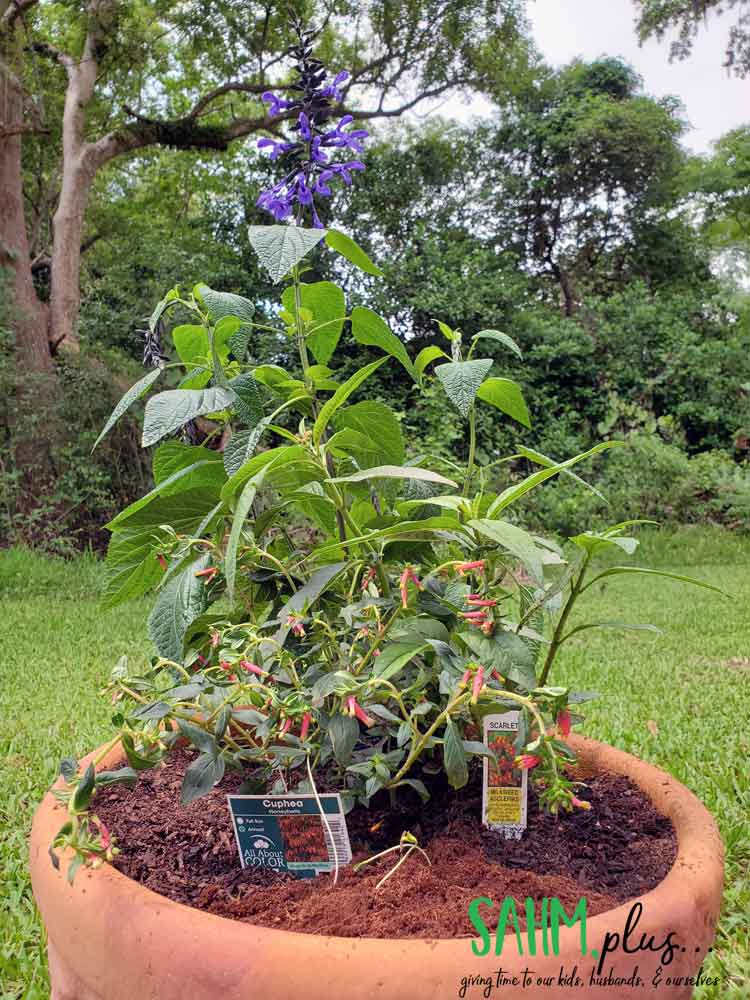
column 111, row 939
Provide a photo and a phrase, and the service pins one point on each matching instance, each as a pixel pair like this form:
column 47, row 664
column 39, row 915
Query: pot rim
column 698, row 842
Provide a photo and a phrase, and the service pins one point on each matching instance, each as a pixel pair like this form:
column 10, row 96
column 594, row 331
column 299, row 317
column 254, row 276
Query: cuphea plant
column 324, row 598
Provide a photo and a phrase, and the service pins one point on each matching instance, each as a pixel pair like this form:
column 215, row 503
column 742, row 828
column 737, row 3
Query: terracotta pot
column 111, row 939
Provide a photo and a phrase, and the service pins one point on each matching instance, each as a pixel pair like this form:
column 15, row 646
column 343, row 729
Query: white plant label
column 504, row 786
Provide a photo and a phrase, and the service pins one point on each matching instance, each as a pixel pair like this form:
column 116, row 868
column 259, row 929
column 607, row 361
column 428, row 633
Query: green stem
column 420, row 745
column 472, row 448
column 557, row 636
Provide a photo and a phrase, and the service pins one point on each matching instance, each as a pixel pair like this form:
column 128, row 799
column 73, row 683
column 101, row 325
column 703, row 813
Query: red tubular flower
column 252, row 668
column 162, row 561
column 579, row 803
column 497, row 677
column 202, row 660
column 358, row 712
column 465, row 679
column 368, row 577
column 468, row 567
column 215, row 639
column 488, row 628
column 474, row 615
column 208, row 573
column 563, row 722
column 306, row 719
column 478, row 684
column 105, row 836
column 528, row 761
column 407, row 577
column 286, row 727
column 479, row 602
column 295, row 624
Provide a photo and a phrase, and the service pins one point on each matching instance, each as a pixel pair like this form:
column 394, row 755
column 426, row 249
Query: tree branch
column 49, row 50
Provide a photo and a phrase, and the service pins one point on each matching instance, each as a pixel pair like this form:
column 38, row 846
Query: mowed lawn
column 680, row 699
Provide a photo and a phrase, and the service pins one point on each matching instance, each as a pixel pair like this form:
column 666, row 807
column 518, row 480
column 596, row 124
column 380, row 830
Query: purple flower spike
column 308, row 156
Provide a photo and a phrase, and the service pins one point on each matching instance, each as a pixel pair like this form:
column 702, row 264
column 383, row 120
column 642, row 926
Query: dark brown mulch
column 619, row 849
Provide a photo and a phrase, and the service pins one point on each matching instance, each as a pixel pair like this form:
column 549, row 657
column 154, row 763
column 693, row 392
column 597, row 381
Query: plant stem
column 472, row 448
column 557, row 635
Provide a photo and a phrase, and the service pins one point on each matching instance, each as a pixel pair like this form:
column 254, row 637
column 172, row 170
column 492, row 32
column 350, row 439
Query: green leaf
column 379, row 423
column 85, row 789
column 122, row 776
column 181, row 510
column 172, row 456
column 346, row 246
column 241, row 446
column 448, row 332
column 133, row 393
column 454, row 756
column 191, row 343
column 327, row 304
column 279, row 248
column 340, row 397
column 505, row 395
column 168, row 411
column 132, row 568
column 370, row 330
column 425, row 357
column 343, row 732
column 419, row 787
column 68, row 768
column 197, row 735
column 516, row 541
column 592, row 542
column 307, row 595
column 505, row 652
column 394, row 656
column 182, row 600
column 244, row 504
column 170, row 299
column 540, row 459
column 513, row 493
column 249, row 402
column 500, row 338
column 201, row 776
column 395, row 472
column 625, row 626
column 220, row 304
column 462, row 379
column 207, row 474
column 618, row 570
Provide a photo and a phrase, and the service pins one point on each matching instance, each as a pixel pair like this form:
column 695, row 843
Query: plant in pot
column 332, row 612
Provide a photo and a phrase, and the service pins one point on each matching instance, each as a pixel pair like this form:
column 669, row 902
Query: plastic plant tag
column 287, row 833
column 504, row 787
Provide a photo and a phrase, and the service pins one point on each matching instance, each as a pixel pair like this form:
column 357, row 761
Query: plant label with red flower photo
column 504, row 786
column 288, row 833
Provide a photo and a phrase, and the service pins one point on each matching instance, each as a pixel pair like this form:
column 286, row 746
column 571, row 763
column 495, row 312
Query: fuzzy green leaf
column 182, row 600
column 461, row 381
column 168, row 411
column 279, row 248
column 133, row 393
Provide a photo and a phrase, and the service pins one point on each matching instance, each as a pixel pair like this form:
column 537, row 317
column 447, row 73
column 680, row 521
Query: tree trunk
column 36, row 383
column 65, row 295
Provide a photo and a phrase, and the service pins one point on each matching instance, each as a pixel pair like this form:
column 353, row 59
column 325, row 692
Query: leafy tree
column 587, row 159
column 85, row 84
column 657, row 17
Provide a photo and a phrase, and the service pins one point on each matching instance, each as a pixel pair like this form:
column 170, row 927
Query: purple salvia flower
column 308, row 156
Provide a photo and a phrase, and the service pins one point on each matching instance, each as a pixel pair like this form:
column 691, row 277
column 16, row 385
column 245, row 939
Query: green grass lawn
column 680, row 699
